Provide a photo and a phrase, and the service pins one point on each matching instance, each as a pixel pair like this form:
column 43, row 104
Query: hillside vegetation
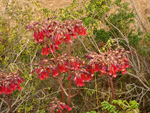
column 75, row 56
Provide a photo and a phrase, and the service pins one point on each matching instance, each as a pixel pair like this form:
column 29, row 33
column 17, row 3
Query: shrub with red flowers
column 47, row 68
column 109, row 63
column 9, row 82
column 58, row 106
column 50, row 34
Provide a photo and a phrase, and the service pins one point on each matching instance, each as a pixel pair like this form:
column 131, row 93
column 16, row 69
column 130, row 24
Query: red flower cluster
column 42, row 72
column 48, row 68
column 109, row 63
column 58, row 106
column 52, row 33
column 9, row 83
column 78, row 70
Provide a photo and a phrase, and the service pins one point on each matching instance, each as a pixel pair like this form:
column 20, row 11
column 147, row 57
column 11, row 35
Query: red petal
column 35, row 36
column 76, row 29
column 110, row 70
column 12, row 87
column 51, row 49
column 41, row 38
column 92, row 72
column 3, row 89
column 96, row 68
column 75, row 35
column 68, row 108
column 7, row 91
column 68, row 38
column 69, row 77
column 62, row 68
column 48, row 70
column 55, row 73
column 18, row 87
column 45, row 51
column 82, row 32
column 79, row 82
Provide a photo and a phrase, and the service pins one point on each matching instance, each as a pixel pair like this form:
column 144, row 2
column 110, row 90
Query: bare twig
column 83, row 45
column 25, row 45
column 139, row 18
column 148, row 88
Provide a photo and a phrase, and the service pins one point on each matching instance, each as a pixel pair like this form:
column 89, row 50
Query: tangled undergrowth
column 63, row 60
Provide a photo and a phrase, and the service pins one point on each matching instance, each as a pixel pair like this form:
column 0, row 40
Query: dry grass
column 143, row 6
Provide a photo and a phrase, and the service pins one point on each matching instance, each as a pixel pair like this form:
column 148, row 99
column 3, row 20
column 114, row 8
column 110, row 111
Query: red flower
column 45, row 51
column 68, row 38
column 18, row 87
column 96, row 68
column 67, row 107
column 58, row 38
column 69, row 77
column 124, row 72
column 43, row 75
column 48, row 70
column 38, row 71
column 41, row 37
column 9, row 83
column 82, row 31
column 114, row 70
column 55, row 73
column 7, row 90
column 35, row 36
column 3, row 89
column 51, row 49
column 56, row 45
column 92, row 72
column 110, row 70
column 103, row 70
column 75, row 65
column 76, row 29
column 86, row 77
column 78, row 81
column 59, row 106
column 74, row 35
column 20, row 80
column 62, row 68
column 12, row 87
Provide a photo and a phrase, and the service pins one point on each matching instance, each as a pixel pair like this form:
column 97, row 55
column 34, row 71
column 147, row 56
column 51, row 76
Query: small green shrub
column 117, row 106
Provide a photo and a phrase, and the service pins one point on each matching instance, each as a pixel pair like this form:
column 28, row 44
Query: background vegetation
column 122, row 27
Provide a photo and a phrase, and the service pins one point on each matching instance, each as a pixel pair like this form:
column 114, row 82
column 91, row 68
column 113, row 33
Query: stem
column 69, row 91
column 59, row 77
column 112, row 87
column 62, row 90
column 9, row 104
column 96, row 92
column 76, row 93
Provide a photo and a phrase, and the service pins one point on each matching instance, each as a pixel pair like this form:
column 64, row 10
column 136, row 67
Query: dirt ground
column 53, row 4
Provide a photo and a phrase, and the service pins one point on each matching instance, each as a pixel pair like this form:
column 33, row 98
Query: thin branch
column 76, row 93
column 148, row 88
column 25, row 45
column 83, row 45
column 139, row 18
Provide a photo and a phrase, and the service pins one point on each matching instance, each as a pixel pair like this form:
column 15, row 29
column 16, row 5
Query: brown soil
column 53, row 4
